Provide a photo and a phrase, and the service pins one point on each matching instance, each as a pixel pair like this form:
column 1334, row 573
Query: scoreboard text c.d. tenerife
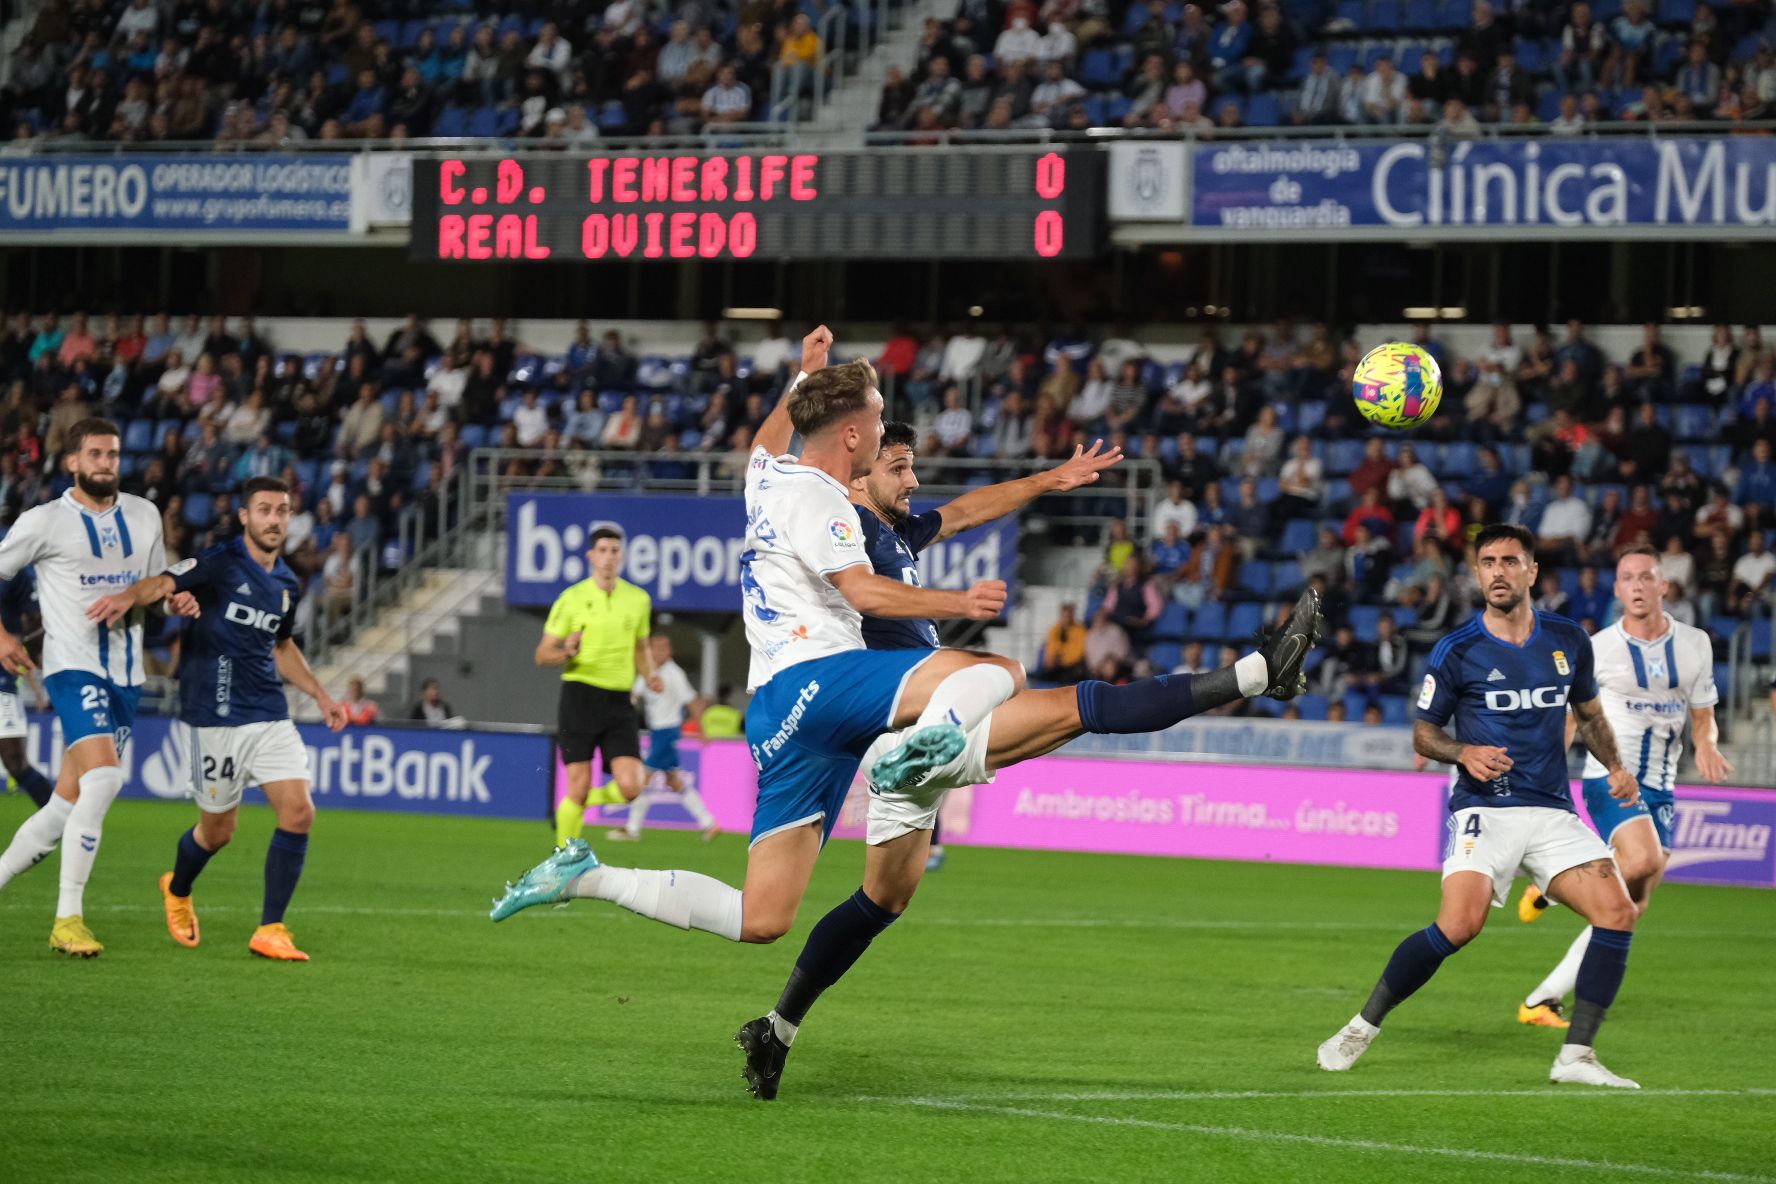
column 1019, row 203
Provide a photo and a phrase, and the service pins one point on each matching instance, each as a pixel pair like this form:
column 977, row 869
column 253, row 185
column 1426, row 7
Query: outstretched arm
column 776, row 432
column 980, row 506
column 878, row 596
column 1600, row 740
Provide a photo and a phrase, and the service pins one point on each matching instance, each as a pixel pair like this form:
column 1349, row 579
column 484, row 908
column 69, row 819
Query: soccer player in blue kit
column 19, row 615
column 235, row 659
column 1507, row 677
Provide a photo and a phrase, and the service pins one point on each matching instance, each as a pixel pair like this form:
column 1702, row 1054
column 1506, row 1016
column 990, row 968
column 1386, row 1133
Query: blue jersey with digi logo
column 18, row 599
column 228, row 670
column 894, row 552
column 1515, row 698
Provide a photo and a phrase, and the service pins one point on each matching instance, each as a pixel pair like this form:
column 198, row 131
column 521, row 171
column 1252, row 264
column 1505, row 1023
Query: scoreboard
column 985, row 203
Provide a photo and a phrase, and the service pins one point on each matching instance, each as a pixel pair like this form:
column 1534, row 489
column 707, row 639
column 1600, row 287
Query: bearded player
column 1506, row 678
column 1654, row 672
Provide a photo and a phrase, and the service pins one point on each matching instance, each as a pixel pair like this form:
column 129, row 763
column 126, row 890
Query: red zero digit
column 1051, row 176
column 1051, row 231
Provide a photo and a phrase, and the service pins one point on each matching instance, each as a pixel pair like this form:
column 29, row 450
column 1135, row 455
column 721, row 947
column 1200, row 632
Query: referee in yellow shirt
column 598, row 631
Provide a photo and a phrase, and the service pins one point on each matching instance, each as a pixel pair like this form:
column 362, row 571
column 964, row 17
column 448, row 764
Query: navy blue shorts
column 809, row 727
column 1607, row 813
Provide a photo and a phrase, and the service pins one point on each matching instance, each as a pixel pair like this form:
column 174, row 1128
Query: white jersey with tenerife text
column 81, row 556
column 801, row 529
column 1648, row 689
column 666, row 709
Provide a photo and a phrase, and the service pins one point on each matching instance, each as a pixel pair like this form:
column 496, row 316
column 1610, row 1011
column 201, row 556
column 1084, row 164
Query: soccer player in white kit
column 664, row 713
column 91, row 541
column 1654, row 673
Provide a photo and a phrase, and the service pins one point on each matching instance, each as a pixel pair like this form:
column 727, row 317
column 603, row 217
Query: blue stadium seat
column 1676, row 12
column 1393, row 710
column 1532, row 56
column 1384, row 15
column 1210, row 623
column 612, row 115
column 1455, row 14
column 452, row 123
column 411, row 30
column 1164, row 655
column 1373, row 52
column 389, row 31
column 1723, row 626
column 1174, row 622
column 1353, row 12
column 1760, row 639
column 1355, row 703
column 1340, row 58
column 1097, row 70
column 1255, row 576
column 474, row 436
column 200, row 510
column 1420, row 15
column 1363, row 621
column 484, row 123
column 1343, row 457
column 1694, row 421
column 1548, row 105
column 309, row 472
column 1747, row 47
column 1723, row 678
column 1244, row 621
column 1303, row 61
column 422, row 476
column 1262, row 111
column 1311, row 415
column 138, row 436
column 1298, row 536
column 1312, row 706
column 1285, row 578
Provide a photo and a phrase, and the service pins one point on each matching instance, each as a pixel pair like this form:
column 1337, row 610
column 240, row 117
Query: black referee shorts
column 592, row 718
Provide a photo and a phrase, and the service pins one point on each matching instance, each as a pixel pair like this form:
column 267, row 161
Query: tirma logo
column 1526, row 700
column 701, row 555
column 1707, row 832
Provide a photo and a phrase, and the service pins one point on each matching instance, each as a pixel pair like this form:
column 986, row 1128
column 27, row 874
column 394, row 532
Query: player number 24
column 212, row 773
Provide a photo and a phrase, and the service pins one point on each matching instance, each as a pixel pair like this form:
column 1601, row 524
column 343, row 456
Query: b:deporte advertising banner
column 214, row 196
column 411, row 770
column 685, row 552
column 1332, row 817
column 1480, row 187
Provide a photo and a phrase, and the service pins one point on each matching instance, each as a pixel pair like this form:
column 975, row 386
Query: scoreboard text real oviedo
column 1023, row 203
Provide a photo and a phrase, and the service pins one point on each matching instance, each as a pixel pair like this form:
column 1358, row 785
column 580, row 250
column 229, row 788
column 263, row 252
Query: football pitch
column 1033, row 1017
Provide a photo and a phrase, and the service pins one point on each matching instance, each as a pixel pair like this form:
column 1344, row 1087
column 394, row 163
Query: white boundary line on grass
column 1259, row 1095
column 1179, row 923
column 1252, row 1135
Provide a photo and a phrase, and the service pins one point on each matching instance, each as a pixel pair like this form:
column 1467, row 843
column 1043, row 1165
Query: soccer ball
column 1397, row 385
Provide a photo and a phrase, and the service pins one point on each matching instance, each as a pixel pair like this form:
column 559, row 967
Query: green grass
column 424, row 1043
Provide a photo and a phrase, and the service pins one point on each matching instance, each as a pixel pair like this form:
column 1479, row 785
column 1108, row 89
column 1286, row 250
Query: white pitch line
column 1262, row 1136
column 1184, row 924
column 1549, row 1094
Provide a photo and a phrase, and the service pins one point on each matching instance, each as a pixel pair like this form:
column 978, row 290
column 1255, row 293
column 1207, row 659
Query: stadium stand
column 1272, row 480
column 290, row 71
column 1445, row 64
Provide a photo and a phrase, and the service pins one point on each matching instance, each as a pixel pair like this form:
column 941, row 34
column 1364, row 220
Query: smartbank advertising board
column 685, row 552
column 1664, row 187
column 412, row 770
column 1331, row 817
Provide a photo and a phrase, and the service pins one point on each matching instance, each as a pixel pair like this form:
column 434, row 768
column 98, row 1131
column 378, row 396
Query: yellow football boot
column 181, row 918
column 274, row 942
column 1532, row 904
column 71, row 936
column 1545, row 1014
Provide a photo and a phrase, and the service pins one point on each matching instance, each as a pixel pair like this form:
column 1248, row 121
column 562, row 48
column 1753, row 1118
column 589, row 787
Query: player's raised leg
column 1460, row 917
column 284, row 858
column 41, row 833
column 944, row 698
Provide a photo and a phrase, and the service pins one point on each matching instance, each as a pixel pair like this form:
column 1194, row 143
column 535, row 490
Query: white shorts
column 12, row 717
column 894, row 814
column 224, row 761
column 1495, row 840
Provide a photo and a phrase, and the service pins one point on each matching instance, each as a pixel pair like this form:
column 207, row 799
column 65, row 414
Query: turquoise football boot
column 548, row 881
column 923, row 750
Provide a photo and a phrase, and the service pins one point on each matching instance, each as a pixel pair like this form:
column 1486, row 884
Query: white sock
column 968, row 696
column 693, row 804
column 689, row 900
column 638, row 812
column 81, row 834
column 1564, row 977
column 1253, row 673
column 785, row 1030
column 36, row 838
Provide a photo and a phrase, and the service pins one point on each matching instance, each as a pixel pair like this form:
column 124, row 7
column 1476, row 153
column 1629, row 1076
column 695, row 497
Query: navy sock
column 191, row 861
column 283, row 867
column 1600, row 977
column 834, row 946
column 1415, row 960
column 37, row 787
column 1153, row 704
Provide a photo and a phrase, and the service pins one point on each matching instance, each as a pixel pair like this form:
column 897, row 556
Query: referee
column 598, row 631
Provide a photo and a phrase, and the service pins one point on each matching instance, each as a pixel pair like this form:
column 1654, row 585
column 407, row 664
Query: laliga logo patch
column 1428, row 693
column 1560, row 665
column 842, row 534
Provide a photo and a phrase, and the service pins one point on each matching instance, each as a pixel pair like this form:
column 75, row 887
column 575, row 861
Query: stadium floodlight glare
column 752, row 314
column 975, row 310
column 1686, row 312
column 1454, row 312
column 1420, row 312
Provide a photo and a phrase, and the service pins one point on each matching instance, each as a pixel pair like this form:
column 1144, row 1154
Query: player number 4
column 1473, row 826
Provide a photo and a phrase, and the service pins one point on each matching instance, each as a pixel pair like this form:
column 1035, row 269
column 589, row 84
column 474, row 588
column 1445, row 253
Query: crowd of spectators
column 1453, row 64
column 280, row 72
column 1273, row 483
